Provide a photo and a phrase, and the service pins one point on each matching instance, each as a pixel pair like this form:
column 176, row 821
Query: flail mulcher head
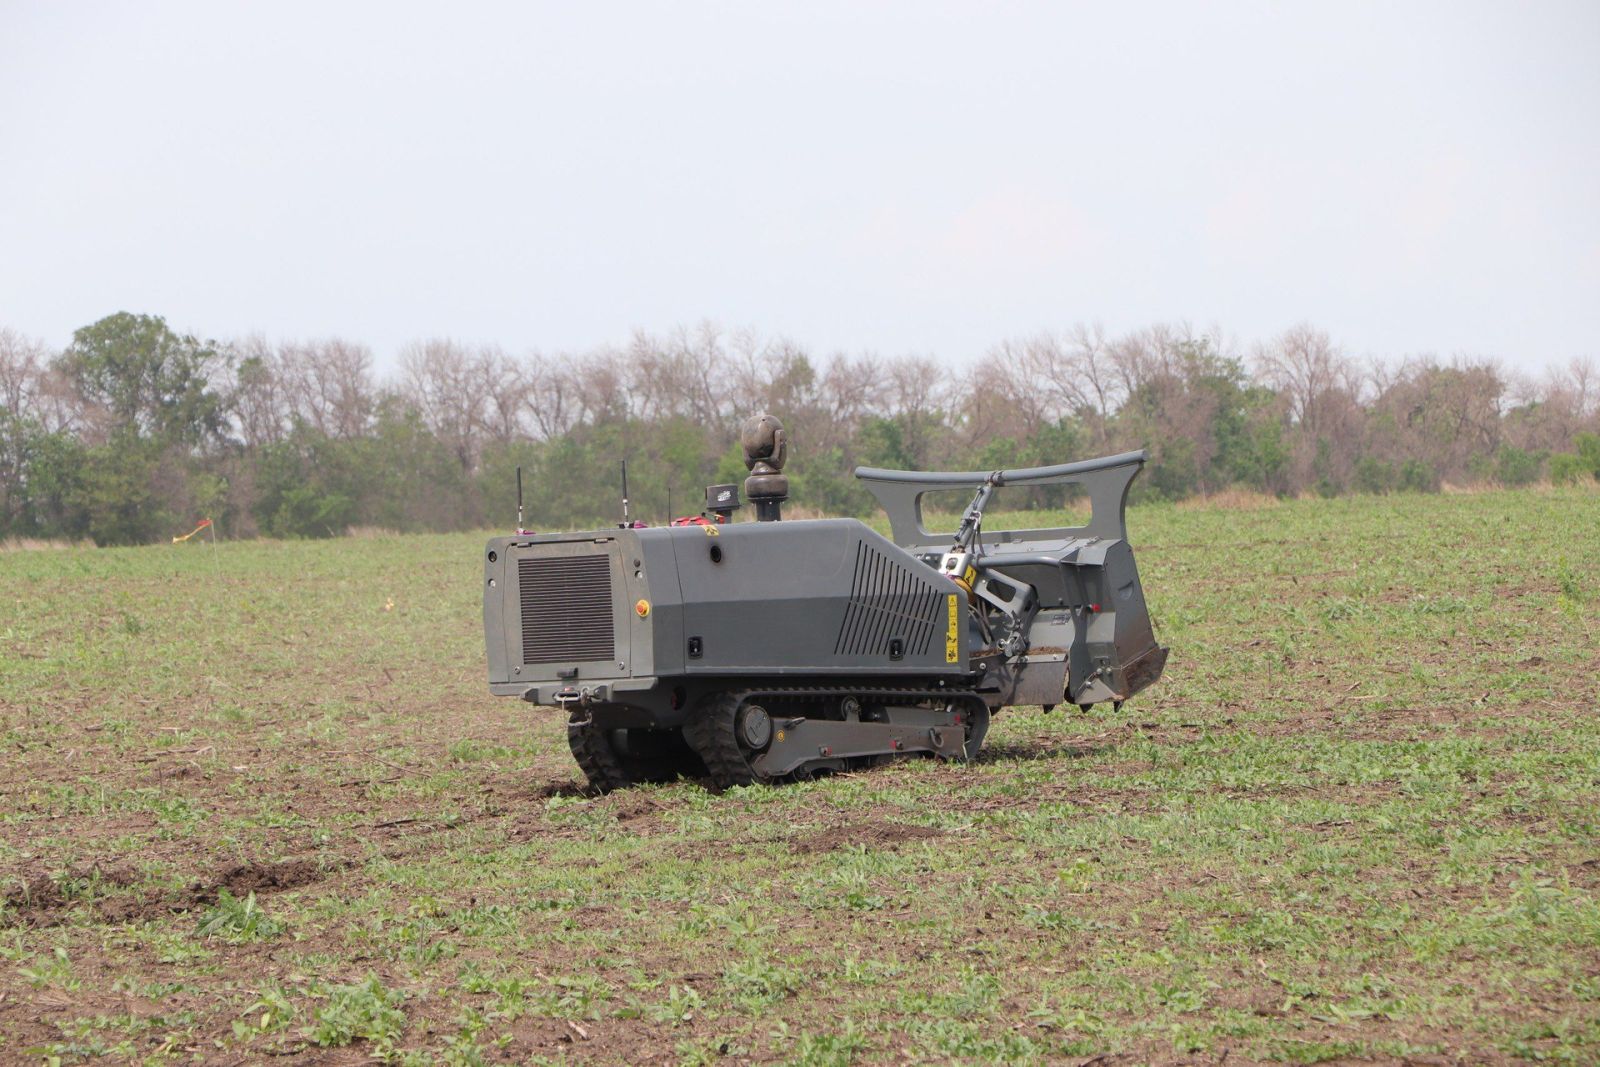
column 770, row 650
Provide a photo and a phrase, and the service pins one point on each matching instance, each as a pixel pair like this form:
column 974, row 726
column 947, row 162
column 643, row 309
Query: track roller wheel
column 727, row 732
column 619, row 758
column 976, row 722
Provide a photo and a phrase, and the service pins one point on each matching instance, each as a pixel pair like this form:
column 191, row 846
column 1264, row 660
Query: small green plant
column 571, row 997
column 680, row 1006
column 54, row 969
column 363, row 1011
column 756, row 981
column 272, row 1012
column 830, row 1050
column 237, row 921
column 1571, row 587
column 1178, row 996
column 976, row 996
column 469, row 750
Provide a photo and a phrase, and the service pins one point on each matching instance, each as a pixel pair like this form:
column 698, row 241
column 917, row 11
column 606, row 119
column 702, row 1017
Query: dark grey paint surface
column 832, row 599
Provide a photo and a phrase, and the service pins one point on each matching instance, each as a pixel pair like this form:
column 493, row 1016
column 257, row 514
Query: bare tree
column 32, row 387
column 682, row 375
column 1440, row 415
column 258, row 398
column 449, row 385
column 851, row 388
column 1308, row 370
column 1091, row 372
column 22, row 363
column 21, row 360
column 601, row 387
column 1582, row 376
column 328, row 385
column 917, row 389
column 551, row 395
column 507, row 395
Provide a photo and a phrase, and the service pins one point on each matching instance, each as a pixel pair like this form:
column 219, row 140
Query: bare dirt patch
column 864, row 835
column 550, row 790
column 44, row 892
column 49, row 900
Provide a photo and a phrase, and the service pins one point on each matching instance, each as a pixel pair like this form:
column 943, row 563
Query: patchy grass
column 261, row 804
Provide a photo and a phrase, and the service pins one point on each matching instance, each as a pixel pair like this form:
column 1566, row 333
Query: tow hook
column 569, row 698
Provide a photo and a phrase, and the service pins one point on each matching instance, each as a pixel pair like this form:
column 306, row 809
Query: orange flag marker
column 203, row 524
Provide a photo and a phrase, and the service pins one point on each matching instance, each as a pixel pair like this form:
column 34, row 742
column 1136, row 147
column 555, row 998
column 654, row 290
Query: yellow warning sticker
column 951, row 645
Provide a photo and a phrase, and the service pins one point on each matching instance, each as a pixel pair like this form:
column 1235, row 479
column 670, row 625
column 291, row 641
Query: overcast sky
column 901, row 178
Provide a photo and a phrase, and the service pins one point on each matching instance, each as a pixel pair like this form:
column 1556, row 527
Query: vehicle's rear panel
column 556, row 610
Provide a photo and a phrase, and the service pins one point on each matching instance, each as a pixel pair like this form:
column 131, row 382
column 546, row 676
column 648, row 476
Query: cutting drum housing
column 761, row 651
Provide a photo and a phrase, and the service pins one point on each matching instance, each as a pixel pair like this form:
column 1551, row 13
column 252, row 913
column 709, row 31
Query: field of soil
column 255, row 801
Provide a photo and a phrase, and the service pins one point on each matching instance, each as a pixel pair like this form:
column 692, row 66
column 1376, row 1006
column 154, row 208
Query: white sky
column 903, row 178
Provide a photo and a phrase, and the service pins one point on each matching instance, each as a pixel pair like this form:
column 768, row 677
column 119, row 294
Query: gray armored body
column 762, row 651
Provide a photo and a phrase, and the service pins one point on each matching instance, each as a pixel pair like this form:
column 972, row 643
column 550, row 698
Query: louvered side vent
column 887, row 600
column 566, row 609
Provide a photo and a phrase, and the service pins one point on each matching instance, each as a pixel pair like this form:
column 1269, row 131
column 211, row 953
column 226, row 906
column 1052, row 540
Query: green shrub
column 1587, row 446
column 1374, row 475
column 1417, row 477
column 1568, row 469
column 307, row 511
column 1515, row 466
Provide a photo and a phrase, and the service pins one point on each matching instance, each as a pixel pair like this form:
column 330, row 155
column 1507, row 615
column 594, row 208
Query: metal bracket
column 569, row 697
column 1019, row 607
column 799, row 740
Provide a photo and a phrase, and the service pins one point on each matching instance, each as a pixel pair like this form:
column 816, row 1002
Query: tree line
column 134, row 430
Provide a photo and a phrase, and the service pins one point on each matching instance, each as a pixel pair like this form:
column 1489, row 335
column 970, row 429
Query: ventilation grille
column 566, row 609
column 888, row 600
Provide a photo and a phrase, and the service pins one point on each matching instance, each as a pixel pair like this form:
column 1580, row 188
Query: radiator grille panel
column 888, row 600
column 566, row 609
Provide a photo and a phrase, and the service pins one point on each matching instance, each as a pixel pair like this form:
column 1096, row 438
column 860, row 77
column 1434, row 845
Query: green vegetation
column 237, row 920
column 258, row 803
column 364, row 1011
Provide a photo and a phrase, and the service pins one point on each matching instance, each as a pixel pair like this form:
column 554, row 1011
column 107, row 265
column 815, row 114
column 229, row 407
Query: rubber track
column 711, row 732
column 596, row 758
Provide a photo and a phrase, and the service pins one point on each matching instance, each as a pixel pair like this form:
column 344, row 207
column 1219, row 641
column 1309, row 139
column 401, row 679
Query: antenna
column 519, row 500
column 624, row 494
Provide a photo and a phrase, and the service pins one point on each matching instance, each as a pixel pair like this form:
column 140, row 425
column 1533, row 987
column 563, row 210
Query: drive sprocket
column 619, row 758
column 726, row 733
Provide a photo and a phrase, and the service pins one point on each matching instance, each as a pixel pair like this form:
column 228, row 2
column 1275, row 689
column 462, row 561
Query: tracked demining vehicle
column 769, row 650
